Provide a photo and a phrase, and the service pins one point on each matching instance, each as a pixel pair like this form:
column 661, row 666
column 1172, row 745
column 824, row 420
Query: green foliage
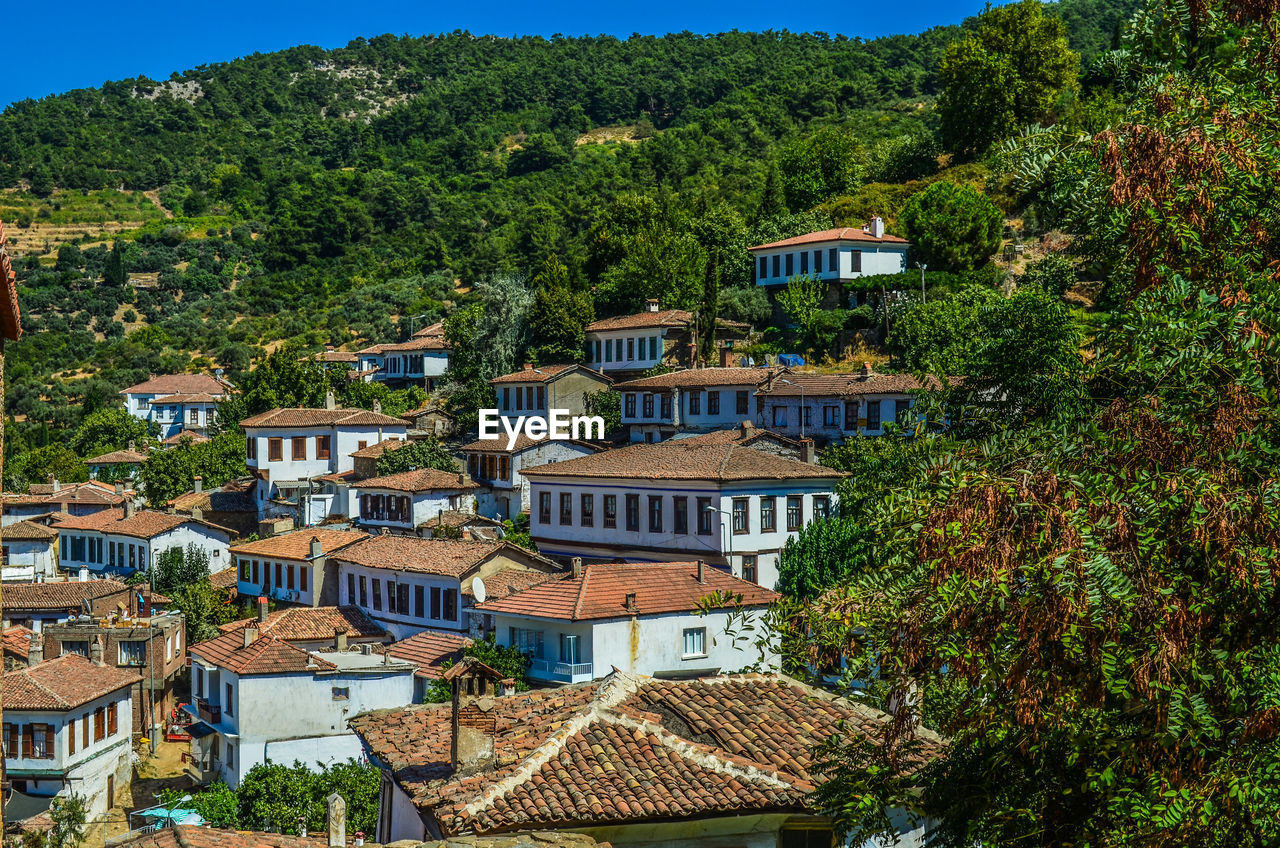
column 824, row 554
column 952, row 227
column 558, row 316
column 1053, row 274
column 748, row 304
column 944, row 335
column 204, row 607
column 69, row 815
column 509, row 661
column 608, row 405
column 167, row 474
column 178, row 567
column 41, row 464
column 281, row 379
column 108, row 429
column 815, row 167
column 114, row 273
column 427, row 452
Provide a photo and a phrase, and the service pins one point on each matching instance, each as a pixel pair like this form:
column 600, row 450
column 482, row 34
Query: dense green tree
column 114, row 274
column 281, row 379
column 827, row 163
column 952, row 227
column 178, row 567
column 558, row 316
column 822, row 555
column 168, row 473
column 108, row 429
column 427, row 452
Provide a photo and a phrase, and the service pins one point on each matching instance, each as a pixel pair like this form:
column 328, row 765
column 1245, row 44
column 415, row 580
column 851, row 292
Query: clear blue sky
column 54, row 47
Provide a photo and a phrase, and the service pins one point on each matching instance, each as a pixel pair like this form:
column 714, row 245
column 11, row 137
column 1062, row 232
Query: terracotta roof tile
column 144, row 524
column 57, row 595
column 90, row 493
column 679, row 460
column 227, row 578
column 700, row 377
column 92, row 521
column 509, row 581
column 455, row 518
column 377, row 449
column 447, row 557
column 311, row 624
column 185, row 397
column 28, row 531
column 747, row 434
column 417, row 343
column 62, row 683
column 428, row 650
column 321, row 418
column 601, row 592
column 840, row 234
column 421, row 480
column 296, row 545
column 194, row 436
column 127, row 457
column 677, row 318
column 334, row 356
column 845, row 385
column 16, row 641
column 193, row 836
column 436, row 329
column 265, row 655
column 545, row 374
column 170, row 384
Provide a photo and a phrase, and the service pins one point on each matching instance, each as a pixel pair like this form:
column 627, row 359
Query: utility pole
column 922, row 268
column 884, row 305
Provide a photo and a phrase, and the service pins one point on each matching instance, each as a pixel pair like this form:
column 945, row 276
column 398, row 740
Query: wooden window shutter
column 84, row 731
column 28, row 740
column 99, row 726
column 112, row 719
column 48, row 741
column 71, row 736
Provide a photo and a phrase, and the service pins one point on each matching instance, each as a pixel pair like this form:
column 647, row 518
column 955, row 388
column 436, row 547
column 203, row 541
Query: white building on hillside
column 697, row 400
column 68, row 730
column 405, row 502
column 726, row 503
column 29, row 551
column 625, row 346
column 261, row 699
column 120, row 542
column 420, row 361
column 834, row 256
column 642, row 618
column 295, row 568
column 300, row 456
column 170, row 400
column 505, row 491
column 530, row 392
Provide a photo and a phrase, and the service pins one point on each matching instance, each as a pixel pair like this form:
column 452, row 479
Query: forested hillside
column 322, row 197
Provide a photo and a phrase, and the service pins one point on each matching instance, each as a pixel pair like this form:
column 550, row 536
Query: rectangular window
column 631, row 350
column 364, row 591
column 804, row 262
column 655, row 345
column 596, row 348
column 901, row 408
column 695, row 402
column 741, row 520
column 41, row 741
column 402, row 598
column 71, row 735
column 830, row 416
column 768, row 514
column 680, row 514
column 113, row 717
column 251, row 447
column 504, row 468
column 275, row 449
column 821, row 507
column 777, row 265
column 610, row 511
column 666, row 407
column 817, row 262
column 244, row 566
column 644, row 341
column 322, row 447
column 351, row 588
column 133, row 653
column 435, row 602
column 608, row 350
column 526, row 641
column 855, row 259
column 764, row 268
column 873, row 415
column 779, row 416
column 303, row 571
column 299, row 448
column 279, row 575
column 528, row 396
column 288, row 574
column 695, row 642
column 655, row 513
column 84, row 731
column 587, row 510
column 79, row 647
column 791, row 264
column 648, row 405
column 742, row 402
column 419, row 602
column 633, row 513
column 806, row 415
column 566, row 508
column 226, row 699
column 704, row 516
column 795, row 513
column 340, row 693
column 391, row 596
column 713, row 402
column 570, row 650
column 377, row 594
column 544, row 507
column 450, row 604
column 831, row 261
column 631, row 405
column 749, row 571
column 542, row 397
column 851, row 415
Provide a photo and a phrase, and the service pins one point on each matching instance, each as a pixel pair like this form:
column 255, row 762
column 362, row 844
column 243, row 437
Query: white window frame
column 694, row 638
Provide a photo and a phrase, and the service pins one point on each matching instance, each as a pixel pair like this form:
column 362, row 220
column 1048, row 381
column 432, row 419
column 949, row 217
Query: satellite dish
column 478, row 590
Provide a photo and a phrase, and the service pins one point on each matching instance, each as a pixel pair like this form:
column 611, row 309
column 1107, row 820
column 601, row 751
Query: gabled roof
column 143, row 524
column 428, row 650
column 126, row 457
column 415, row 344
column 295, row 417
column 310, row 624
column 193, row 836
column 421, row 480
column 16, row 641
column 235, row 496
column 663, row 318
column 446, row 557
column 601, row 592
column 680, row 460
column 184, row 397
column 195, row 437
column 436, row 329
column 845, row 385
column 333, row 356
column 523, row 442
column 625, row 751
column 227, row 578
column 296, row 545
column 28, row 531
column 377, row 449
column 265, row 655
column 178, row 384
column 63, row 683
column 509, row 581
column 839, row 234
column 57, row 596
column 90, row 492
column 546, row 374
column 702, row 377
column 744, row 434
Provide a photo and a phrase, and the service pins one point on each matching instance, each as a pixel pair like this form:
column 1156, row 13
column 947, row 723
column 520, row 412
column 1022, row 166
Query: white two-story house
column 295, row 568
column 835, row 257
column 261, row 699
column 697, row 400
column 169, row 400
column 530, row 392
column 504, row 491
column 626, row 346
column 405, row 502
column 120, row 542
column 725, row 503
column 642, row 618
column 300, row 456
column 29, row 552
column 420, row 361
column 68, row 729
column 407, row 584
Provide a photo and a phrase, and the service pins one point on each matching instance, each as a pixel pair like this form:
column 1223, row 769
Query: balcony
column 211, row 713
column 560, row 672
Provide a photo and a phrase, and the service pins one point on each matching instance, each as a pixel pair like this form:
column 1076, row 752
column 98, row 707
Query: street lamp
column 723, row 535
column 922, row 268
column 413, row 318
column 803, row 408
column 169, row 808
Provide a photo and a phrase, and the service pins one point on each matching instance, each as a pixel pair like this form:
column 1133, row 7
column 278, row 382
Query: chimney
column 317, row 550
column 197, row 483
column 528, row 366
column 129, row 508
column 119, row 489
column 132, row 446
column 507, row 686
column 466, row 534
column 651, row 305
column 807, row 452
column 876, row 227
column 250, row 636
column 84, row 575
column 197, row 514
column 339, row 638
column 474, row 687
column 377, row 407
column 95, row 652
column 262, row 608
column 747, row 429
column 53, row 481
column 35, row 653
column 335, row 817
column 866, row 371
column 577, row 567
column 702, row 572
column 330, row 402
column 631, row 602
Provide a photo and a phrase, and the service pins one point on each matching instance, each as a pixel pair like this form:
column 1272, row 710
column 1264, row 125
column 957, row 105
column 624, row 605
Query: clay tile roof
column 90, row 493
column 523, row 442
column 193, row 836
column 601, row 592
column 121, row 456
column 194, row 436
column 625, row 751
column 235, row 496
column 338, row 356
column 509, row 581
column 93, row 521
column 428, row 650
column 377, row 449
column 178, row 384
column 680, row 460
column 185, row 397
column 436, row 329
column 227, row 578
column 321, row 418
column 698, row 377
column 148, row 523
column 840, row 234
column 677, row 318
column 416, row 343
column 296, row 545
column 265, row 655
column 28, row 531
column 846, row 385
column 447, row 557
column 16, row 641
column 740, row 436
column 421, row 480
column 545, row 374
column 456, row 518
column 63, row 683
column 310, row 624
column 59, row 596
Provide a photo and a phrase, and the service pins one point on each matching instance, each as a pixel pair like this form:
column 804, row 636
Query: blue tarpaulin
column 790, row 360
column 179, row 816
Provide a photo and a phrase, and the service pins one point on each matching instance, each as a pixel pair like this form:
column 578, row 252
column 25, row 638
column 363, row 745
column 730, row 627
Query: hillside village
column 757, row 439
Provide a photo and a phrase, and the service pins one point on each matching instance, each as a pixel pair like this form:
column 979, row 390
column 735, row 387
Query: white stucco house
column 29, row 551
column 642, row 618
column 68, row 726
column 504, row 491
column 262, row 699
column 294, row 568
column 37, row 605
column 405, row 502
column 120, row 542
column 172, row 400
column 420, row 361
column 834, row 256
column 76, row 499
column 696, row 400
column 678, row 500
column 625, row 346
column 302, row 457
column 531, row 391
